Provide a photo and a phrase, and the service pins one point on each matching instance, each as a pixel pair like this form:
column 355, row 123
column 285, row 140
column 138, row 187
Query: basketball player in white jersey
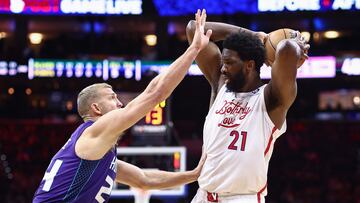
column 245, row 116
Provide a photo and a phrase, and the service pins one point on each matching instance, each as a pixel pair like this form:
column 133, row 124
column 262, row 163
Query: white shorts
column 204, row 197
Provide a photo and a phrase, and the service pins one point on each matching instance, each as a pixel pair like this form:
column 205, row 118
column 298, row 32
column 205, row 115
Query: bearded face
column 233, row 70
column 236, row 81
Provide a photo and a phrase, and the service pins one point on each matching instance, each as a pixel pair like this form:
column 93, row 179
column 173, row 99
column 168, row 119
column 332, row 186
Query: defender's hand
column 200, row 39
column 198, row 168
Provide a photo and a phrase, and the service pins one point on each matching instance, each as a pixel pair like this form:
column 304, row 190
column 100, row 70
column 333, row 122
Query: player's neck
column 90, row 118
column 251, row 85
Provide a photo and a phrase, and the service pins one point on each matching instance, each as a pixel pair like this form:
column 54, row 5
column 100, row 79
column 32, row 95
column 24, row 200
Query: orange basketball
column 273, row 39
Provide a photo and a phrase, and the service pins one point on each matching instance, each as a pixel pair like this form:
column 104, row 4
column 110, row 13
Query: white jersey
column 238, row 140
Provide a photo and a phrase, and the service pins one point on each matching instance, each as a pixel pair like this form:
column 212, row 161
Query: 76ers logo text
column 233, row 111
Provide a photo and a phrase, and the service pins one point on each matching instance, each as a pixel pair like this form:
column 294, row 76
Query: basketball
column 273, row 39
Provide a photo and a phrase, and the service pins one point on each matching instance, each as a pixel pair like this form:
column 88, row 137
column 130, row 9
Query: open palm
column 200, row 40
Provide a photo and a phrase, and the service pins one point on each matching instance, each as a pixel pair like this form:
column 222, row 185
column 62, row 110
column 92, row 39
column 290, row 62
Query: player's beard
column 237, row 82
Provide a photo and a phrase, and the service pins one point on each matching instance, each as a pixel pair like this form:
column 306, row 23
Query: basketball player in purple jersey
column 84, row 169
column 245, row 115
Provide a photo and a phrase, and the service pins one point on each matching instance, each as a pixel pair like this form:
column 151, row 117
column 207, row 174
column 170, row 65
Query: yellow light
column 306, row 35
column 2, row 35
column 331, row 34
column 151, row 40
column 176, row 155
column 35, row 38
column 11, row 90
column 356, row 100
column 163, row 104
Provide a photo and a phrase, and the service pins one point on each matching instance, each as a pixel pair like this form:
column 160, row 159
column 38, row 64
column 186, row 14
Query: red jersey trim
column 270, row 141
column 259, row 193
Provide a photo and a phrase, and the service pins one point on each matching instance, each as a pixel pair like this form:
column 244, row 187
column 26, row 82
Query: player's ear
column 95, row 108
column 250, row 65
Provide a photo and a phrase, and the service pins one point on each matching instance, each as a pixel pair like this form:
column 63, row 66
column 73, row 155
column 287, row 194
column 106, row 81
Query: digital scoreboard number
column 154, row 123
column 155, row 127
column 156, row 116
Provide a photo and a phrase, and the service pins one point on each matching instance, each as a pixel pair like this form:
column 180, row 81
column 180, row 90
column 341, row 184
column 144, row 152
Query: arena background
column 316, row 161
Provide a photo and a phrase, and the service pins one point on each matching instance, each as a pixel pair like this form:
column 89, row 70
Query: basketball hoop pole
column 177, row 155
column 141, row 196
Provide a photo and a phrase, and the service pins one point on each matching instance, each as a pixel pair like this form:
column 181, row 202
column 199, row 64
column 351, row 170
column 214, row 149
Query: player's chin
column 226, row 79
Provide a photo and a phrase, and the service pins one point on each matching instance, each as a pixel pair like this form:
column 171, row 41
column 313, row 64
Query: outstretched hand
column 200, row 39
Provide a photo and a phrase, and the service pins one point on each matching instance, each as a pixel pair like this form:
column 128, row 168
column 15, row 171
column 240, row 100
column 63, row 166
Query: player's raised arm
column 209, row 59
column 282, row 88
column 103, row 134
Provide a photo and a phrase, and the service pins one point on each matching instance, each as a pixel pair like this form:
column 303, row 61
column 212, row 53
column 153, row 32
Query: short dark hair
column 248, row 46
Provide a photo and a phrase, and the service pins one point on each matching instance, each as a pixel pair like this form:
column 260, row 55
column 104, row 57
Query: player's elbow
column 190, row 29
column 191, row 26
column 288, row 50
column 145, row 184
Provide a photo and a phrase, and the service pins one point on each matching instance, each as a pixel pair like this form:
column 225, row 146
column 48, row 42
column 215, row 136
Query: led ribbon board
column 351, row 66
column 75, row 7
column 314, row 67
column 307, row 5
column 189, row 7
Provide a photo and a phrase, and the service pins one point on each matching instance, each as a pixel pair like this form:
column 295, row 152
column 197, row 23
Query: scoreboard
column 155, row 127
column 154, row 123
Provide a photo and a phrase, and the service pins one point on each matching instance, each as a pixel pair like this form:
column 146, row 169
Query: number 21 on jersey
column 235, row 136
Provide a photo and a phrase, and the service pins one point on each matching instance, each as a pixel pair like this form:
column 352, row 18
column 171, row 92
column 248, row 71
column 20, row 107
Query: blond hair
column 87, row 96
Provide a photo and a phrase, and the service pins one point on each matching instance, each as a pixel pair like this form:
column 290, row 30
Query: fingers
column 301, row 41
column 200, row 17
column 208, row 33
column 197, row 19
column 203, row 17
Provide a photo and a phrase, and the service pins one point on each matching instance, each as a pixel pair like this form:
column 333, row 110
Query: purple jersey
column 69, row 178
